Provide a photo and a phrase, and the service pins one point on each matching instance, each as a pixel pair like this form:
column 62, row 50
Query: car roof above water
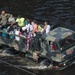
column 59, row 33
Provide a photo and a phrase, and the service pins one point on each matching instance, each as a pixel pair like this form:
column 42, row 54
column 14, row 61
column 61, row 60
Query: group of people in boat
column 21, row 27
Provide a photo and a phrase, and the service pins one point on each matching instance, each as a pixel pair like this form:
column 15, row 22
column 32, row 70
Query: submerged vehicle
column 57, row 48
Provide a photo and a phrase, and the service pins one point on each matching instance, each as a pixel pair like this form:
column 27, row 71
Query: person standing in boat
column 11, row 20
column 26, row 21
column 20, row 20
column 29, row 30
column 46, row 28
column 28, row 27
column 17, row 32
column 4, row 18
column 35, row 27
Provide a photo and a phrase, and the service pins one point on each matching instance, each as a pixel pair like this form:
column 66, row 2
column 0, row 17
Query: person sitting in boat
column 4, row 34
column 11, row 36
column 26, row 21
column 4, row 18
column 46, row 28
column 20, row 20
column 11, row 20
column 10, row 30
column 17, row 32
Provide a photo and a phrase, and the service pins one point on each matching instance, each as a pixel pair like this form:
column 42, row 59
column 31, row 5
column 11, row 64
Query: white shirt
column 27, row 27
column 16, row 37
column 48, row 29
column 11, row 19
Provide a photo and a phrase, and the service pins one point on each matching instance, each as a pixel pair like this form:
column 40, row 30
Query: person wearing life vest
column 20, row 21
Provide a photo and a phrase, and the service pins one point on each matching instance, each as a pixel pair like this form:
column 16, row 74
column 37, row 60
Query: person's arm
column 45, row 27
column 8, row 15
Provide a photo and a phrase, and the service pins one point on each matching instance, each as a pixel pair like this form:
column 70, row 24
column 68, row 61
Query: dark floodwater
column 57, row 12
column 9, row 70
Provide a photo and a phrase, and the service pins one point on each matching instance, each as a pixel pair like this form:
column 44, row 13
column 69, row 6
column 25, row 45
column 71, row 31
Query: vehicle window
column 53, row 46
column 67, row 42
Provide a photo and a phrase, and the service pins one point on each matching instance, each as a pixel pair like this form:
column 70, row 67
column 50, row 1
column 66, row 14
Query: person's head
column 28, row 20
column 19, row 16
column 18, row 28
column 3, row 12
column 35, row 22
column 14, row 27
column 67, row 38
column 11, row 15
column 46, row 23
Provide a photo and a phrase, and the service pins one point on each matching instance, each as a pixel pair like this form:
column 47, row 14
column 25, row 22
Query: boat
column 56, row 50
